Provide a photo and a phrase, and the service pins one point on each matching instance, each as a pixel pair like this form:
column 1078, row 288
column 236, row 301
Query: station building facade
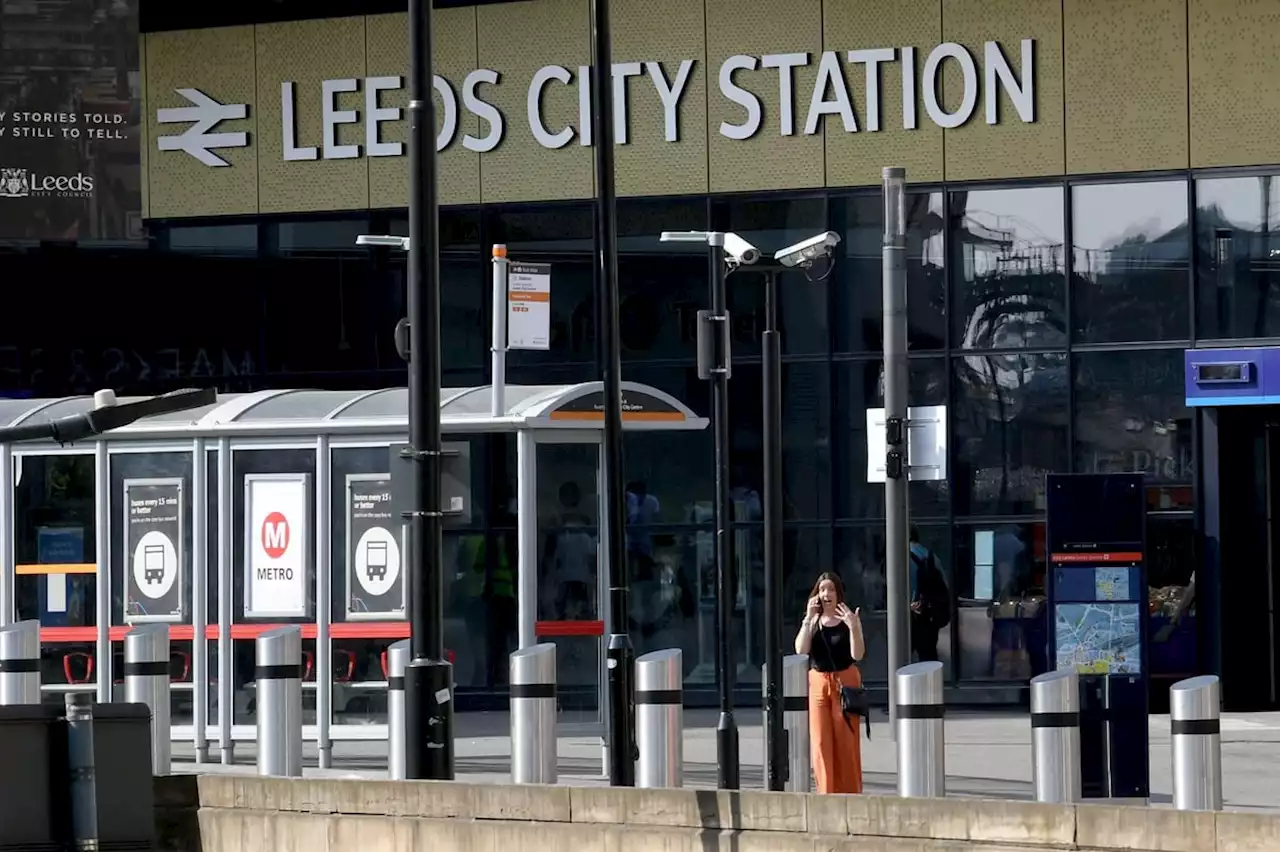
column 1093, row 190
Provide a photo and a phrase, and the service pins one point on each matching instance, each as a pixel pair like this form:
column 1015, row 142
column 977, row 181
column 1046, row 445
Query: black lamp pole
column 776, row 746
column 428, row 677
column 621, row 653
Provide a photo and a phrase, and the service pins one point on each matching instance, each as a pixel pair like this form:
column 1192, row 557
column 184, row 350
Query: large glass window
column 858, row 295
column 860, row 562
column 1131, row 417
column 1131, row 253
column 662, row 286
column 1010, row 429
column 1238, row 257
column 999, row 585
column 770, row 225
column 859, row 385
column 1007, row 268
column 806, row 441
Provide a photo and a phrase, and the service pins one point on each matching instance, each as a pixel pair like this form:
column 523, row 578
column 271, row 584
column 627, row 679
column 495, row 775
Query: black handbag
column 853, row 699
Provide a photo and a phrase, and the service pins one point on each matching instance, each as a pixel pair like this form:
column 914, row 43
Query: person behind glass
column 831, row 634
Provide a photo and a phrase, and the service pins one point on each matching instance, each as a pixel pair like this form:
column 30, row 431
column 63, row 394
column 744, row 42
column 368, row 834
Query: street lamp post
column 428, row 677
column 775, row 740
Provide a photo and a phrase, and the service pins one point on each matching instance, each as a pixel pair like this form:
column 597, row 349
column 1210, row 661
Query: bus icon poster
column 154, row 550
column 375, row 571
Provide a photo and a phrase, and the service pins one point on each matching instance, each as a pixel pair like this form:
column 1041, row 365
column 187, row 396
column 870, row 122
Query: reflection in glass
column 1131, row 251
column 54, row 524
column 860, row 386
column 661, row 285
column 1238, row 253
column 1131, row 417
column 1009, row 429
column 1173, row 645
column 857, row 277
column 802, row 304
column 806, row 441
column 861, row 565
column 999, row 584
column 1007, row 268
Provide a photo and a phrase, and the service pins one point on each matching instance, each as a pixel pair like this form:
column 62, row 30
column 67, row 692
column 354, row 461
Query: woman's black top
column 836, row 653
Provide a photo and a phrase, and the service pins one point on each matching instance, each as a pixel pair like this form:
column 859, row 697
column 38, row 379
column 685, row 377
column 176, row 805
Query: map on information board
column 1099, row 638
column 1111, row 584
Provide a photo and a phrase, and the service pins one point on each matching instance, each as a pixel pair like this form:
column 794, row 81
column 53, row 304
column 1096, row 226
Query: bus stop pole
column 896, row 507
column 498, row 347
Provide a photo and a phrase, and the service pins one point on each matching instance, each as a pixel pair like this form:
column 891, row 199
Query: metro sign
column 275, row 535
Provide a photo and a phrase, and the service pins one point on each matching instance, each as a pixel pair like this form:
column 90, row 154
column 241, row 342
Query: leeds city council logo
column 14, row 183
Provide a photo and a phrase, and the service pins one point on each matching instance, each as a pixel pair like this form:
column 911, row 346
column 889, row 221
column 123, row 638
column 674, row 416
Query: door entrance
column 1249, row 491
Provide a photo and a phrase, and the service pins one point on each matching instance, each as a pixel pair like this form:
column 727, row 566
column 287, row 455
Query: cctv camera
column 739, row 251
column 805, row 252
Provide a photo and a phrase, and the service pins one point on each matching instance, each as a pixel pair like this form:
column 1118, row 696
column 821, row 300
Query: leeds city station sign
column 831, row 99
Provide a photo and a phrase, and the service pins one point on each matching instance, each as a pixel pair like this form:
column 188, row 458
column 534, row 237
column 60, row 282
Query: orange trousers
column 834, row 743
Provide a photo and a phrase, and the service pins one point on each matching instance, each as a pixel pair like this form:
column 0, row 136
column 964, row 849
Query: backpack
column 931, row 586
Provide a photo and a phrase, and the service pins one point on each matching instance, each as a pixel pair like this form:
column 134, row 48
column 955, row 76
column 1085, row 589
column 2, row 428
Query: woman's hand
column 814, row 609
column 848, row 616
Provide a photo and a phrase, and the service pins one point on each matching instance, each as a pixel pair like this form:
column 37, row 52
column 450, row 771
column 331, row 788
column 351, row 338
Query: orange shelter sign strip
column 68, row 568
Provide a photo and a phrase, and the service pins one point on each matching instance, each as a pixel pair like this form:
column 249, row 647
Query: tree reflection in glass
column 1007, row 261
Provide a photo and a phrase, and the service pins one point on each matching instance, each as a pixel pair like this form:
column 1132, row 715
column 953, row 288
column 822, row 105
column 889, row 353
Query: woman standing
column 831, row 634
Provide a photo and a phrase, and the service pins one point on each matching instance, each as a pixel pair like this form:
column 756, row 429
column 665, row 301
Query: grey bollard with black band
column 146, row 681
column 533, row 715
column 795, row 721
column 278, row 673
column 397, row 659
column 20, row 663
column 1055, row 737
column 660, row 718
column 921, row 738
column 1194, row 708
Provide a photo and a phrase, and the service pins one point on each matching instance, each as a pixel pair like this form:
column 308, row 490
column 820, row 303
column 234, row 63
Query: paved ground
column 988, row 756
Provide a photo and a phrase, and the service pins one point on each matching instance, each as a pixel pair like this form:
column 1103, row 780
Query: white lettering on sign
column 831, row 97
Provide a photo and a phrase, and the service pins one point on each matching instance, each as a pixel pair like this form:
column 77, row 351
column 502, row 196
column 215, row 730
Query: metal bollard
column 20, row 663
column 921, row 740
column 278, row 672
column 146, row 681
column 1194, row 705
column 660, row 719
column 1055, row 737
column 397, row 659
column 795, row 720
column 84, row 786
column 533, row 715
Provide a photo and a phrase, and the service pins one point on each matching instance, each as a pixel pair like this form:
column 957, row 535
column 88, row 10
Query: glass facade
column 1049, row 317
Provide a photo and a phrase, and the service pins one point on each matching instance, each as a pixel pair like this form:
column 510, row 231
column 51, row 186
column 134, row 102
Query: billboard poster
column 277, row 545
column 153, row 550
column 375, row 575
column 70, row 107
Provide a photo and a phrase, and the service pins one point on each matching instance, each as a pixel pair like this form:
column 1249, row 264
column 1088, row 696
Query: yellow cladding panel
column 1012, row 147
column 516, row 40
column 857, row 158
column 454, row 43
column 1235, row 82
column 669, row 33
column 218, row 64
column 766, row 160
column 1126, row 85
column 305, row 54
column 142, row 125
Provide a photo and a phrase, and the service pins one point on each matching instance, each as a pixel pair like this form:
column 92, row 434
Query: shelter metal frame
column 321, row 422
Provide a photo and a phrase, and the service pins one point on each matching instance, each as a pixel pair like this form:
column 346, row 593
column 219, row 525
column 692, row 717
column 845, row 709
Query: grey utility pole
column 896, row 505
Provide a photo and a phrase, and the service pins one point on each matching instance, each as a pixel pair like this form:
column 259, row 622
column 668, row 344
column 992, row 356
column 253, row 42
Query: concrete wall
column 250, row 814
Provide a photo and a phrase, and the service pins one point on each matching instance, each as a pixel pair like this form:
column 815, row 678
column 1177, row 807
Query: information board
column 153, row 550
column 1097, row 603
column 375, row 560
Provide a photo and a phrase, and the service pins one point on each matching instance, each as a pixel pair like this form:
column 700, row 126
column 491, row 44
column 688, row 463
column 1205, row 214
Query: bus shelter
column 273, row 508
